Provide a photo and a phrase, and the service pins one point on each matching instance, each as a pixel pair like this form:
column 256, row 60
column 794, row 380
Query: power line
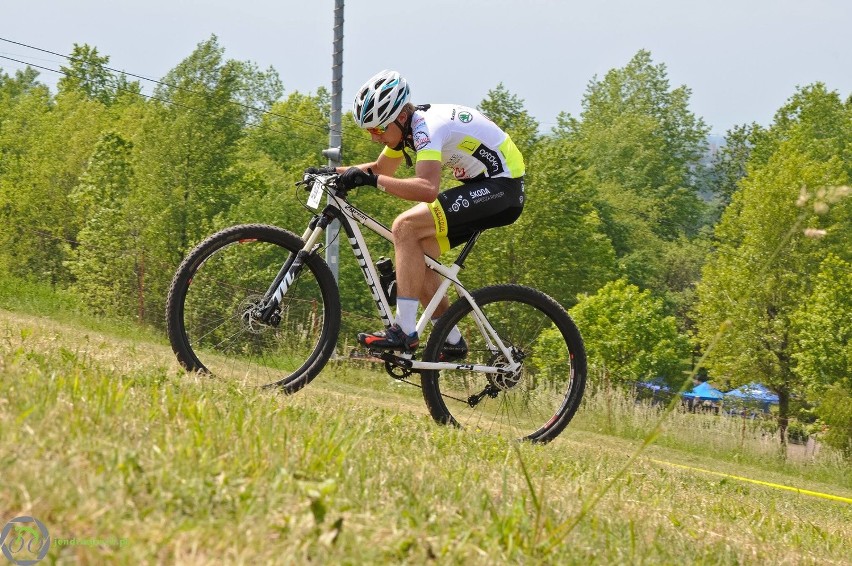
column 324, row 128
column 167, row 101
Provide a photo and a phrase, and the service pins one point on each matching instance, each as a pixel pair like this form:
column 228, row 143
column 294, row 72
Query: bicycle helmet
column 380, row 100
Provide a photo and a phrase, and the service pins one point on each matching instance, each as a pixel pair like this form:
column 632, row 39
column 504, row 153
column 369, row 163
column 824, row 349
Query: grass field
column 125, row 459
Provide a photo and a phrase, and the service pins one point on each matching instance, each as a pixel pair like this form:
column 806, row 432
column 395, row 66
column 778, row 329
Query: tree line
column 740, row 264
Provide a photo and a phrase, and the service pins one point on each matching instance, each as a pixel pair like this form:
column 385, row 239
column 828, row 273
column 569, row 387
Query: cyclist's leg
column 430, row 229
column 431, row 282
column 485, row 203
column 414, row 235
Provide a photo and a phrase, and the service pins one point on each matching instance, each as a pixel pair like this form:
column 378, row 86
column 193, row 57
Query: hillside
column 126, row 459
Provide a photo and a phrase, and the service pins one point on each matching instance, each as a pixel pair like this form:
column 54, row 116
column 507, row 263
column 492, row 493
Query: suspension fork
column 292, row 267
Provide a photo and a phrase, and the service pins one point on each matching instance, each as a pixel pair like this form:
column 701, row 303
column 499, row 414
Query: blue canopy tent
column 656, row 390
column 753, row 393
column 705, row 397
column 656, row 384
column 705, row 392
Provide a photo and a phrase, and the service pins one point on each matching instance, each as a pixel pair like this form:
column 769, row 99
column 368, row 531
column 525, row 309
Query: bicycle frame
column 351, row 218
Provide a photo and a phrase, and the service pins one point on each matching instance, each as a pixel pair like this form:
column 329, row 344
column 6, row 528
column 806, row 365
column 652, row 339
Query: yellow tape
column 775, row 485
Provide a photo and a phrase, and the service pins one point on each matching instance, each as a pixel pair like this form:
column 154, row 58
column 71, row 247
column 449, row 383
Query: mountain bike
column 258, row 303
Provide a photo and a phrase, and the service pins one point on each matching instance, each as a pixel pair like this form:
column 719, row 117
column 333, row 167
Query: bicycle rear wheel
column 212, row 307
column 534, row 403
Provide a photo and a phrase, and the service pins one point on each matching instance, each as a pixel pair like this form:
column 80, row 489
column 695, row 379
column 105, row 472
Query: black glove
column 320, row 170
column 355, row 177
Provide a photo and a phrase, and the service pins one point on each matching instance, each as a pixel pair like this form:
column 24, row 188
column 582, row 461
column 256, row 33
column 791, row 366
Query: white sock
column 454, row 336
column 406, row 314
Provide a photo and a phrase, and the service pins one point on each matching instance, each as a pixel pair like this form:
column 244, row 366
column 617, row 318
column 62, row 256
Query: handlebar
column 328, row 180
column 310, row 178
column 318, row 183
column 325, row 179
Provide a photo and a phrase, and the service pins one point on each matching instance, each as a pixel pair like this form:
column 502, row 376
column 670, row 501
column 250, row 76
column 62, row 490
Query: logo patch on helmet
column 465, row 117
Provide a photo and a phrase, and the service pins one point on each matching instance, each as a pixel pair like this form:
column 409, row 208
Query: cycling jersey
column 463, row 140
column 482, row 156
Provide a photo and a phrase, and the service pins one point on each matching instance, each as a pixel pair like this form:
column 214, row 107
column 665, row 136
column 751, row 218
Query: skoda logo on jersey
column 465, row 117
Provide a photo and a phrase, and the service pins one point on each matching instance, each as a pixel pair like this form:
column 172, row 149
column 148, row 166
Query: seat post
column 467, row 248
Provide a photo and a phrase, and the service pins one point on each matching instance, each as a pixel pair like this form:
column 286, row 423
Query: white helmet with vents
column 380, row 100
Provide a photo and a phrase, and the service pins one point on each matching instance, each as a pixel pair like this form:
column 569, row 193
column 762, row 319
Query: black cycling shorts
column 487, row 203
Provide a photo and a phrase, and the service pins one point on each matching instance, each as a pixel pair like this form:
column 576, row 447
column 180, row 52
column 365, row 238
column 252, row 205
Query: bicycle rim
column 213, row 302
column 534, row 403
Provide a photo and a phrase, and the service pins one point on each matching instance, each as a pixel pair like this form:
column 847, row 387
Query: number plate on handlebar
column 316, row 195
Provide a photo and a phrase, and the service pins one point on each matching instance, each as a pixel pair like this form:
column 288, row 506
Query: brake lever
column 307, row 181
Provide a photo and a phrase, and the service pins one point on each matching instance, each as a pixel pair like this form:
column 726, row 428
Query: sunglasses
column 378, row 130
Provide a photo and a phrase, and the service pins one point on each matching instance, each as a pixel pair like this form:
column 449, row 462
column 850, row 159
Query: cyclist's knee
column 401, row 228
column 413, row 224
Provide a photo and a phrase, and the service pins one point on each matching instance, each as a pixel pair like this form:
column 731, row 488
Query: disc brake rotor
column 249, row 313
column 506, row 381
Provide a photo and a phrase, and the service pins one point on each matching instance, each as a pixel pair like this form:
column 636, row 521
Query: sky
column 741, row 59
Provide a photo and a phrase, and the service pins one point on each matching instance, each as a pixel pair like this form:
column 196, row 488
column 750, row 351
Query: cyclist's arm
column 386, row 164
column 423, row 187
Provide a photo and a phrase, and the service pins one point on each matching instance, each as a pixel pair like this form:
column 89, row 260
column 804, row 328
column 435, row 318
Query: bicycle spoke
column 535, row 400
column 217, row 295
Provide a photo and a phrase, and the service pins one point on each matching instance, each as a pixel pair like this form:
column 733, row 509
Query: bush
column 797, row 432
column 835, row 410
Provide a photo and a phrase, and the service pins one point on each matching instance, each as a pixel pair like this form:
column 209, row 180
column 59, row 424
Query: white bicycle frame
column 351, row 217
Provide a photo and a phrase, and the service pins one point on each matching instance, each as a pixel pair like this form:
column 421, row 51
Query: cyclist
column 482, row 157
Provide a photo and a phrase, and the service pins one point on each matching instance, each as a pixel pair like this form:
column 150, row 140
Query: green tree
column 729, row 165
column 628, row 335
column 640, row 146
column 190, row 145
column 45, row 148
column 293, row 133
column 507, row 111
column 825, row 328
column 13, row 88
column 189, row 150
column 106, row 259
column 87, row 74
column 824, row 357
column 22, row 89
column 764, row 265
column 637, row 132
column 559, row 244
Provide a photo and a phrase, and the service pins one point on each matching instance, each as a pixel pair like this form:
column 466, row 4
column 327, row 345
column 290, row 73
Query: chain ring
column 396, row 371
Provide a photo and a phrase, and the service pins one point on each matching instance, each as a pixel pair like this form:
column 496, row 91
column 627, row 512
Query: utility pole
column 333, row 153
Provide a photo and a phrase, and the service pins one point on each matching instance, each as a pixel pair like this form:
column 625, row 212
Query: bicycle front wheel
column 536, row 401
column 213, row 303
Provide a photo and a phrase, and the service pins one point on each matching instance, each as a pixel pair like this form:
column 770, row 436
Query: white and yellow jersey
column 463, row 140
